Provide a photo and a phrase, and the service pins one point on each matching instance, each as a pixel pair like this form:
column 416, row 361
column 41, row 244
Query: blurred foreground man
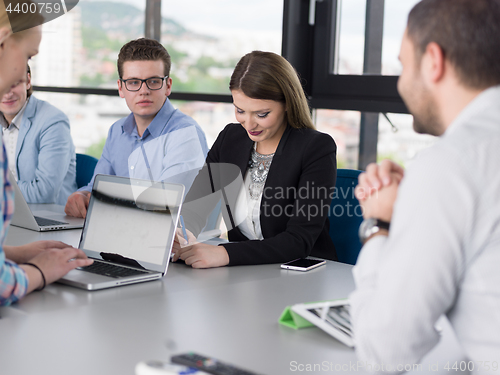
column 441, row 254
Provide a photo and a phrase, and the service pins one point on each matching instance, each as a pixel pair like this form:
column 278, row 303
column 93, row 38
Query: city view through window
column 205, row 39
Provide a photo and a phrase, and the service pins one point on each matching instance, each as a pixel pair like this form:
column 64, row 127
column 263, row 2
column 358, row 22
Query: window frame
column 327, row 90
column 310, row 44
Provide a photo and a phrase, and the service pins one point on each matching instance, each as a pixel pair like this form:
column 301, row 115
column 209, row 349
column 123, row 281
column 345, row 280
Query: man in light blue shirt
column 156, row 141
column 39, row 146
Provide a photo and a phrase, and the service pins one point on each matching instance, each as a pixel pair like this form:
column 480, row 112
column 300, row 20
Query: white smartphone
column 304, row 264
column 163, row 368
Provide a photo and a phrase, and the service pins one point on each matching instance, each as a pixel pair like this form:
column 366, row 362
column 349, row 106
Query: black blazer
column 295, row 202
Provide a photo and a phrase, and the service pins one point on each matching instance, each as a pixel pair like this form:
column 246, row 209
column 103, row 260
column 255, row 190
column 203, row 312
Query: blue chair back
column 345, row 216
column 85, row 165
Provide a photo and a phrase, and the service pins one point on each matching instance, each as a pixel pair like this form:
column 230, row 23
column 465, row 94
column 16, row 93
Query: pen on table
column 183, row 226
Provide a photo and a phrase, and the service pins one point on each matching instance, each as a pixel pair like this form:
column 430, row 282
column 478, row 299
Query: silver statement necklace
column 259, row 169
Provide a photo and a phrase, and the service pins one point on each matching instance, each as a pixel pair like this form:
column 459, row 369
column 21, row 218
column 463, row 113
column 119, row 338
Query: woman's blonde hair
column 4, row 19
column 268, row 76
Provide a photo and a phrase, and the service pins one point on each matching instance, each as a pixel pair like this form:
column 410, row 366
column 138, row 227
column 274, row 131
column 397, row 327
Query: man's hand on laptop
column 77, row 204
column 24, row 253
column 55, row 263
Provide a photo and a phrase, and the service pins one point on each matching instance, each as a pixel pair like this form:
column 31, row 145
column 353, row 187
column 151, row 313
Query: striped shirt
column 13, row 279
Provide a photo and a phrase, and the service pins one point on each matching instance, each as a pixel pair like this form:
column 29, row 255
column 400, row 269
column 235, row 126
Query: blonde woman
column 30, row 267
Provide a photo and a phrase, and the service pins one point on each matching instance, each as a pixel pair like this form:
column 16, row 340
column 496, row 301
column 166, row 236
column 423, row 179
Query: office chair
column 85, row 165
column 345, row 216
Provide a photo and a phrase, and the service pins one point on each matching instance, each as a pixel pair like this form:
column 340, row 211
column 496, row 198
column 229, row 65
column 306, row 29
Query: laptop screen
column 131, row 221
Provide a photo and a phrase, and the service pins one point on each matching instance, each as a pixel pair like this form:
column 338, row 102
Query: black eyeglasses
column 135, row 84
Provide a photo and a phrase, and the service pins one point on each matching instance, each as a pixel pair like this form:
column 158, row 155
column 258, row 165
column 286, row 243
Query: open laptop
column 129, row 232
column 40, row 221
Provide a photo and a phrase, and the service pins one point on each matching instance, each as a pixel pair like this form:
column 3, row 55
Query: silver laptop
column 42, row 220
column 129, row 232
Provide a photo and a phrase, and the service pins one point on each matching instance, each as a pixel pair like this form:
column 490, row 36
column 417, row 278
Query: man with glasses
column 156, row 141
column 39, row 145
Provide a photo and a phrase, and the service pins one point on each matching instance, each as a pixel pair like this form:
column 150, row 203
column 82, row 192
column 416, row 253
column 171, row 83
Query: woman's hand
column 201, row 255
column 198, row 255
column 180, row 242
column 24, row 253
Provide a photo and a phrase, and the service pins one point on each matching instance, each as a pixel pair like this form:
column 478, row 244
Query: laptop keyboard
column 111, row 270
column 44, row 222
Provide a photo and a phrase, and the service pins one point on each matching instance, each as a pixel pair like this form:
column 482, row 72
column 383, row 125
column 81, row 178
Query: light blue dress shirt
column 45, row 155
column 172, row 148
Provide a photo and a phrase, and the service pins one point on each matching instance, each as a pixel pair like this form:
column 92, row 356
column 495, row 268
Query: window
column 206, row 45
column 212, row 117
column 354, row 46
column 400, row 143
column 90, row 117
column 395, row 17
column 351, row 39
column 346, row 52
column 343, row 126
column 369, row 92
column 80, row 50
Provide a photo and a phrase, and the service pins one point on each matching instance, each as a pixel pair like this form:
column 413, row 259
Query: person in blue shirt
column 39, row 146
column 156, row 141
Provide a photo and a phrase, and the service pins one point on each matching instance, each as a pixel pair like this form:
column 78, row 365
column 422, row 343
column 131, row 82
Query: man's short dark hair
column 468, row 31
column 143, row 49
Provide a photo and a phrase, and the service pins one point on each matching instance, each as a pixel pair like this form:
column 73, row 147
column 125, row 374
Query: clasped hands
column 378, row 188
column 198, row 254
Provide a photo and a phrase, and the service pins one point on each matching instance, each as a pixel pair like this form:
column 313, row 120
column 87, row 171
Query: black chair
column 85, row 165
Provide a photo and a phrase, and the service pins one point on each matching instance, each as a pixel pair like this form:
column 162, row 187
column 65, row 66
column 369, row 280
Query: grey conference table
column 229, row 313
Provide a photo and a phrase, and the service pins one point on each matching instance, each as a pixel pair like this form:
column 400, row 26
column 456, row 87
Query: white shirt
column 247, row 212
column 10, row 135
column 442, row 255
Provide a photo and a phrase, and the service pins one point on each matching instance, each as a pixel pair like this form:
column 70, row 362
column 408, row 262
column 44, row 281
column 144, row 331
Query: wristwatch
column 371, row 226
